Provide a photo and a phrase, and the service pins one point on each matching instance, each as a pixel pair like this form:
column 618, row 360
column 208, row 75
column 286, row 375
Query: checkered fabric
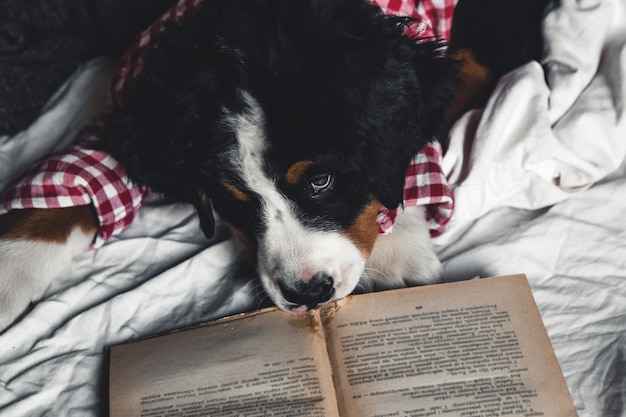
column 435, row 15
column 424, row 185
column 82, row 174
column 86, row 174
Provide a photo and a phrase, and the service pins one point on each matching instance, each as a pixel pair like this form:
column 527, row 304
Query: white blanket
column 540, row 191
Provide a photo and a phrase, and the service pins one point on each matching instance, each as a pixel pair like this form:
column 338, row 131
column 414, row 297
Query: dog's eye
column 321, row 182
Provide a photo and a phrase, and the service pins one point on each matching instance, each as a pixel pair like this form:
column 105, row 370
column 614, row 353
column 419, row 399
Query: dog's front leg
column 36, row 245
column 405, row 257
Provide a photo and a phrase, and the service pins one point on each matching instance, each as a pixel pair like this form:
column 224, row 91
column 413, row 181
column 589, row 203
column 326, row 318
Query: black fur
column 502, row 34
column 43, row 42
column 338, row 82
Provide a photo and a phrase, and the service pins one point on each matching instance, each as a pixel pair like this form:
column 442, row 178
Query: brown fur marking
column 295, row 172
column 476, row 84
column 52, row 225
column 236, row 192
column 364, row 231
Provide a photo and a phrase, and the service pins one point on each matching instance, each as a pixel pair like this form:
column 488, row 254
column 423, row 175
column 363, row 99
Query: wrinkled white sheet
column 547, row 131
column 513, row 216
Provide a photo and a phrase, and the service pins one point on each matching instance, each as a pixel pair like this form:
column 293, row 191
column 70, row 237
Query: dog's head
column 295, row 120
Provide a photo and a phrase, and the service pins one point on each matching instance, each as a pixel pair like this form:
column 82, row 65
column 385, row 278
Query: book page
column 474, row 348
column 267, row 363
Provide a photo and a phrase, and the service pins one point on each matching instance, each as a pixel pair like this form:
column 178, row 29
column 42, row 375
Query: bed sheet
column 540, row 190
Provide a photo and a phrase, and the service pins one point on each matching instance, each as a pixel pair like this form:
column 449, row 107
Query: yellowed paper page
column 476, row 348
column 265, row 364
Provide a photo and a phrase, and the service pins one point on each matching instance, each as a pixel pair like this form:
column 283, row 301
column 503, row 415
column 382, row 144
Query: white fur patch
column 405, row 257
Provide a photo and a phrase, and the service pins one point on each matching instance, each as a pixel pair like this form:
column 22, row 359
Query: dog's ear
column 163, row 144
column 165, row 126
column 438, row 79
column 421, row 117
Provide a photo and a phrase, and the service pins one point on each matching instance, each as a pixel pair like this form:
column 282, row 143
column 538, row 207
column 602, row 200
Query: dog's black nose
column 319, row 289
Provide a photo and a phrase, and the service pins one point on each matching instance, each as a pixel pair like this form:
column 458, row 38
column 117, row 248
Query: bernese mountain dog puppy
column 295, row 120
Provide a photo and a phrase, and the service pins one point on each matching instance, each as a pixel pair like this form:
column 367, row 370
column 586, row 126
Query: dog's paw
column 405, row 257
column 35, row 247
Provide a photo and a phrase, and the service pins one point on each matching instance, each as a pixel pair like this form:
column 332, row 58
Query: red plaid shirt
column 86, row 174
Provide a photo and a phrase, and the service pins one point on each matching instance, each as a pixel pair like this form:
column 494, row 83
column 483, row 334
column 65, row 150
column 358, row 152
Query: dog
column 295, row 122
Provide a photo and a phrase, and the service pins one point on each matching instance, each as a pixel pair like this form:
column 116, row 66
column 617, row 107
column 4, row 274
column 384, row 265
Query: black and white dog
column 295, row 120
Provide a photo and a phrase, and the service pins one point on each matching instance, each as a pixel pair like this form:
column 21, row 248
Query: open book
column 472, row 348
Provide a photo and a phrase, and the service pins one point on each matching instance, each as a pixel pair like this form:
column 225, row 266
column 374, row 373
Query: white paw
column 406, row 257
